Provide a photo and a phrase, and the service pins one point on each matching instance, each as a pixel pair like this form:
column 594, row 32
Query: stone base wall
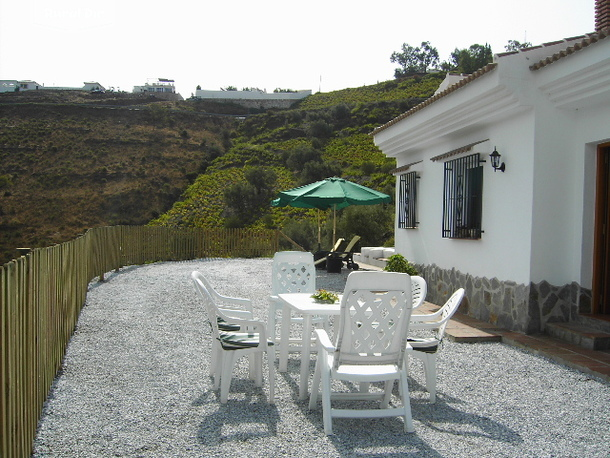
column 517, row 307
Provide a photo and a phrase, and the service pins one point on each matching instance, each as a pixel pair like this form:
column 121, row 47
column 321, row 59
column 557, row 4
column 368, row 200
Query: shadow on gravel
column 249, row 417
column 443, row 417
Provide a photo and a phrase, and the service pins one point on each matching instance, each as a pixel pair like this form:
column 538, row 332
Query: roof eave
column 482, row 71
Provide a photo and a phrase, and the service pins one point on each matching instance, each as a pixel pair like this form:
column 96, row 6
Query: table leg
column 284, row 339
column 305, row 357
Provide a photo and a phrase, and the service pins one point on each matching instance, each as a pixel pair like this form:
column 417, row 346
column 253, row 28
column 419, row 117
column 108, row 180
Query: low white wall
column 251, row 95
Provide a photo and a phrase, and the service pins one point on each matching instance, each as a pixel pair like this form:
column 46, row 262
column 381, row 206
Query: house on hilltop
column 28, row 85
column 163, row 88
column 526, row 236
column 156, row 86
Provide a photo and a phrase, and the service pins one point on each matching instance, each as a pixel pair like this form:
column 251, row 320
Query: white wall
column 503, row 250
column 251, row 95
column 538, row 216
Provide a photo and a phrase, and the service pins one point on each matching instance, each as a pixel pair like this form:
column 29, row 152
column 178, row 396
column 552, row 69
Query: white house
column 529, row 243
column 28, row 85
column 156, row 86
column 15, row 85
column 9, row 85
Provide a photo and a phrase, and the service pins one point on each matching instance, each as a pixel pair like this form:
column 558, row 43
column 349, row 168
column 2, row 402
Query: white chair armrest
column 324, row 340
column 246, row 304
column 237, row 314
column 426, row 317
column 252, row 327
column 425, row 325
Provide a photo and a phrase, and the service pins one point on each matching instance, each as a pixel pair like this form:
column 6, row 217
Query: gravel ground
column 135, row 382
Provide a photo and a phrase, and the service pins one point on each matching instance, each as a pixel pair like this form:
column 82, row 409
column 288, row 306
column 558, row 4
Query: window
column 463, row 199
column 407, row 201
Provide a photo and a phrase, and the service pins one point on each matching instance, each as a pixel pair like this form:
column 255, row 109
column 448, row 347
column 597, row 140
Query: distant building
column 159, row 87
column 9, row 85
column 91, row 86
column 28, row 85
column 15, row 85
column 254, row 98
column 156, row 86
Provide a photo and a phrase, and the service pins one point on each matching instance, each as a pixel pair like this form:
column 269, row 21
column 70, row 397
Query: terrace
column 135, row 382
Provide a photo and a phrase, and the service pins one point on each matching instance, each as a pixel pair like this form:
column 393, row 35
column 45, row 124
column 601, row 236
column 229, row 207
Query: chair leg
column 218, row 363
column 254, row 368
column 285, row 339
column 315, row 387
column 271, row 321
column 271, row 363
column 326, row 408
column 406, row 401
column 227, row 372
column 387, row 395
column 430, row 369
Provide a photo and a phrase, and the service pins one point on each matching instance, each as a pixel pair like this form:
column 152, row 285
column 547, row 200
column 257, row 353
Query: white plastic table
column 303, row 304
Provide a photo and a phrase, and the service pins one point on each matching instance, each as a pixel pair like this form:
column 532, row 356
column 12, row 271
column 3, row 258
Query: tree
column 245, row 200
column 514, row 45
column 414, row 60
column 469, row 60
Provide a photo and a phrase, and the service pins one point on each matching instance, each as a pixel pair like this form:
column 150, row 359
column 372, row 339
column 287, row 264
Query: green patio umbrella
column 335, row 193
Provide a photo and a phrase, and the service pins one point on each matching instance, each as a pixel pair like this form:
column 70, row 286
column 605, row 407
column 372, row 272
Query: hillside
column 71, row 160
column 326, row 134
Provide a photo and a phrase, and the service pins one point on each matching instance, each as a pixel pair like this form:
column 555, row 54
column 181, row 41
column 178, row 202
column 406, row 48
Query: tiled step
column 598, row 322
column 462, row 328
column 579, row 334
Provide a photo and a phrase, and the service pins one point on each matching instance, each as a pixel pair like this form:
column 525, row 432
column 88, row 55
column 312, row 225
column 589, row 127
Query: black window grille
column 407, row 201
column 463, row 198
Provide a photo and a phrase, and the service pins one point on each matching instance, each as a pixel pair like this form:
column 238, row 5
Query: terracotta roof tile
column 403, row 168
column 583, row 43
column 453, row 152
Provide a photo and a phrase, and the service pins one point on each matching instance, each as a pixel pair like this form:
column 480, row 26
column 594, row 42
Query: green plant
column 398, row 263
column 325, row 297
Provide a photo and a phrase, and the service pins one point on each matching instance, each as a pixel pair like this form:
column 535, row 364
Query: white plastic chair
column 419, row 290
column 292, row 272
column 233, row 307
column 370, row 345
column 228, row 346
column 427, row 348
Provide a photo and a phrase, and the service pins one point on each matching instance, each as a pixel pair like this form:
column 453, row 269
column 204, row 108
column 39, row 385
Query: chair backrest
column 419, row 290
column 338, row 244
column 447, row 311
column 199, row 283
column 207, row 285
column 374, row 318
column 293, row 272
column 352, row 243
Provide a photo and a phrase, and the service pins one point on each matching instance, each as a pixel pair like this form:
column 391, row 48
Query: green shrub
column 398, row 263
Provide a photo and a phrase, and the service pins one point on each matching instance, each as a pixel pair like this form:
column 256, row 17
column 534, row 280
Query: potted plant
column 398, row 263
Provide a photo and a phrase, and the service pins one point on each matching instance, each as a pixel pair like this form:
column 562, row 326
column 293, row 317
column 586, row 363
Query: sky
column 316, row 45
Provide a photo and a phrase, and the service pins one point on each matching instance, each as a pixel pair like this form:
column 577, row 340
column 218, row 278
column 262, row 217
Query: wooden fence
column 42, row 294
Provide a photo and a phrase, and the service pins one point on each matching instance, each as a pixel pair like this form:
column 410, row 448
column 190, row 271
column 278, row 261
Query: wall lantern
column 495, row 161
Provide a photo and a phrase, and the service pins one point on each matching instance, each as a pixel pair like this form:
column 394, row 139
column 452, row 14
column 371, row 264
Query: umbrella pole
column 334, row 224
column 319, row 238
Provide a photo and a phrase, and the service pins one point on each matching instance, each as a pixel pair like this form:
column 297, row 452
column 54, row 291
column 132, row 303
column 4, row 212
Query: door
column 601, row 267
